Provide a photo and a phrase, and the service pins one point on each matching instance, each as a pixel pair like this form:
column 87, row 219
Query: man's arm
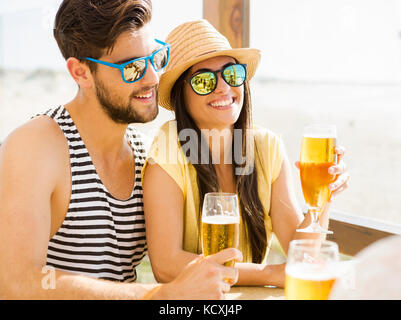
column 30, row 161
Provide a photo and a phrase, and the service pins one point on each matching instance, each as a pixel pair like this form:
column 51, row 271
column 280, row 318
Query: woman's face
column 219, row 109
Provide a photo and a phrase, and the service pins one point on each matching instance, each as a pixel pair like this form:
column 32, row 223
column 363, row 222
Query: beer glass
column 220, row 223
column 317, row 156
column 311, row 269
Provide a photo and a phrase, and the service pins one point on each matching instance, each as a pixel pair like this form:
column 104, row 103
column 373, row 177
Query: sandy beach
column 368, row 120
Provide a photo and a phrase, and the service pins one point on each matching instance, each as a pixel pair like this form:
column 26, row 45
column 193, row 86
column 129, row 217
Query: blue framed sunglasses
column 135, row 69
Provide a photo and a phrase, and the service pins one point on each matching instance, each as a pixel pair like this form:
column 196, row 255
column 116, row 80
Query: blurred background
column 329, row 61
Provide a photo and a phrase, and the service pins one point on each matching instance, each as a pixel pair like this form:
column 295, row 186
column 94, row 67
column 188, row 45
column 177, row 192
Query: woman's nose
column 222, row 86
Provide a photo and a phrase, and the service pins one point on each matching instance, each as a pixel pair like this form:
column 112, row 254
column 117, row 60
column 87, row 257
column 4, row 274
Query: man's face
column 128, row 102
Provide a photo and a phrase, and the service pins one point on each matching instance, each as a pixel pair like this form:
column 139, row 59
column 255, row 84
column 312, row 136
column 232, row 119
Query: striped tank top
column 101, row 236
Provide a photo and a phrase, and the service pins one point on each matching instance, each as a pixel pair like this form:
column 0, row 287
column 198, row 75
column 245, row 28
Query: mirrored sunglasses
column 206, row 82
column 135, row 69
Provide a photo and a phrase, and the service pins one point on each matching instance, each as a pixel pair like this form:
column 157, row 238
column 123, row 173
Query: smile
column 145, row 96
column 222, row 103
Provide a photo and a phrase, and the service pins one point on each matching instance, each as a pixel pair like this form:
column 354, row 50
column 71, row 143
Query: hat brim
column 248, row 56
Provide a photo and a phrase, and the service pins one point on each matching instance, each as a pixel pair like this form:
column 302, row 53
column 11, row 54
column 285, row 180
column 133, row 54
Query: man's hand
column 205, row 278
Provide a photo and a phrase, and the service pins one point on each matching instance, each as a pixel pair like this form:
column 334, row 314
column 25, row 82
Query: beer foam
column 310, row 271
column 320, row 136
column 219, row 219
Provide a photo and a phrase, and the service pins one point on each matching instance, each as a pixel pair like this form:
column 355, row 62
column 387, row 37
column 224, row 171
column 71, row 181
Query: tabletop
column 255, row 293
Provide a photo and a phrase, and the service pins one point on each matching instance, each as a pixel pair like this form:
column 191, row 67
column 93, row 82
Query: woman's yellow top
column 166, row 151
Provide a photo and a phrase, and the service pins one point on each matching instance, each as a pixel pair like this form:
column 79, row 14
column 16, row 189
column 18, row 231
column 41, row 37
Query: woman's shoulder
column 265, row 135
column 170, row 125
column 270, row 151
column 166, row 147
column 168, row 130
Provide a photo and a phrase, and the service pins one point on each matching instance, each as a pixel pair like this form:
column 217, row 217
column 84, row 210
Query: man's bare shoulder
column 41, row 132
column 38, row 140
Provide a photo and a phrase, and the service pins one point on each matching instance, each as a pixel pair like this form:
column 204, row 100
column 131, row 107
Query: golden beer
column 219, row 232
column 308, row 285
column 317, row 156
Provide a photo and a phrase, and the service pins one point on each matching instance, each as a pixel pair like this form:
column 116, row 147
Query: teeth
column 222, row 103
column 144, row 96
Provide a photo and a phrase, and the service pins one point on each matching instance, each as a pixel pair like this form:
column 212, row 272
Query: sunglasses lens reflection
column 204, row 83
column 160, row 58
column 235, row 75
column 134, row 70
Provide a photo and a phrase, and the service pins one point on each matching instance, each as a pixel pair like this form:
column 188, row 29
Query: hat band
column 205, row 53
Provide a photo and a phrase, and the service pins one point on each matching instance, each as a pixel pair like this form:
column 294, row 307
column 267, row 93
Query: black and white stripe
column 101, row 236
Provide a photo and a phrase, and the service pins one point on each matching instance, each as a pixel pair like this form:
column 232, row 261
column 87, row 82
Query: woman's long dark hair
column 246, row 185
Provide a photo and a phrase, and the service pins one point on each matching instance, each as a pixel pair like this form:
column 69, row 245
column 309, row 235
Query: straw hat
column 195, row 41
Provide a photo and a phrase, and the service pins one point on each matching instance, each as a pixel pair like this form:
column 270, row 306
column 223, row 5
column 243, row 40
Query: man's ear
column 80, row 72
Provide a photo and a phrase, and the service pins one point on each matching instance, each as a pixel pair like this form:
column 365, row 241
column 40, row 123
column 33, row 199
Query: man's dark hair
column 90, row 28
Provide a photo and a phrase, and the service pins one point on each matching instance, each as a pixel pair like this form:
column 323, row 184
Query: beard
column 123, row 112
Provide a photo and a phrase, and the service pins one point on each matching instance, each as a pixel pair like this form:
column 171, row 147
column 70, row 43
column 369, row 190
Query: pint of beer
column 303, row 282
column 317, row 156
column 218, row 233
column 311, row 269
column 220, row 223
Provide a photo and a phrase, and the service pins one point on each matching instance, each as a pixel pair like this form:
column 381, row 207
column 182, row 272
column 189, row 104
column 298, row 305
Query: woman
column 206, row 85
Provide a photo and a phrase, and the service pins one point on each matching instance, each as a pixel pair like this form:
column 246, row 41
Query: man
column 70, row 187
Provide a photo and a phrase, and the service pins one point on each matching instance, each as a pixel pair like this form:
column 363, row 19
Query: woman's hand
column 339, row 170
